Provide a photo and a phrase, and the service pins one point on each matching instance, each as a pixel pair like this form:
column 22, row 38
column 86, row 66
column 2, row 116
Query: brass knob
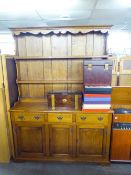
column 37, row 117
column 21, row 117
column 83, row 118
column 89, row 66
column 100, row 118
column 64, row 100
column 60, row 117
column 106, row 66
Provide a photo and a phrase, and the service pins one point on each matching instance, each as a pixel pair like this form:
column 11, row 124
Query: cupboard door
column 121, row 145
column 61, row 140
column 91, row 140
column 29, row 140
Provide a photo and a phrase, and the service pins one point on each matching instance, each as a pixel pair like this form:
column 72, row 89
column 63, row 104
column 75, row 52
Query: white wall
column 7, row 44
column 119, row 43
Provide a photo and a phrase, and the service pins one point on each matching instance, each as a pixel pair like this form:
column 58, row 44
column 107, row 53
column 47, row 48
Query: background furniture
column 121, row 138
column 121, row 128
column 4, row 135
column 125, row 71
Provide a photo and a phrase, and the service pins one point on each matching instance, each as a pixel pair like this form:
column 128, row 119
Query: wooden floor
column 28, row 168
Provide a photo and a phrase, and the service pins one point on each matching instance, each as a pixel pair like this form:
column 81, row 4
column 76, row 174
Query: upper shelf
column 49, row 81
column 57, row 58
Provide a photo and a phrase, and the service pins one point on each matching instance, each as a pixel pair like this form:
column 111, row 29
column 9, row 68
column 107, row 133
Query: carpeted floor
column 29, row 168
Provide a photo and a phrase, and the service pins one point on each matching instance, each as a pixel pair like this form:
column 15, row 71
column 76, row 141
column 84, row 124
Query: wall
column 7, row 44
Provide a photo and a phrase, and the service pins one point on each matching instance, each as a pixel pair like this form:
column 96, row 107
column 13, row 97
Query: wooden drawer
column 124, row 118
column 31, row 117
column 92, row 118
column 59, row 117
column 119, row 118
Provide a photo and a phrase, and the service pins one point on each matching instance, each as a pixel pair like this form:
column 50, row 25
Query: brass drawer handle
column 21, row 117
column 60, row 117
column 64, row 100
column 89, row 66
column 83, row 118
column 37, row 117
column 100, row 118
column 106, row 66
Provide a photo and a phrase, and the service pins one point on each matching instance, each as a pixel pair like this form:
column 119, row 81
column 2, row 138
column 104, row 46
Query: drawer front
column 59, row 117
column 119, row 118
column 122, row 118
column 92, row 118
column 29, row 117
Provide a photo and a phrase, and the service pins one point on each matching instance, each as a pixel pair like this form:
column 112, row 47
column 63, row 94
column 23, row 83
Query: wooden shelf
column 17, row 58
column 49, row 81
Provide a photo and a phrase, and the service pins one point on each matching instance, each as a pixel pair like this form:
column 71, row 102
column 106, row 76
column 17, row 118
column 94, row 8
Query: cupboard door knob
column 106, row 66
column 89, row 66
column 64, row 100
column 21, row 117
column 60, row 117
column 83, row 118
column 116, row 118
column 100, row 118
column 37, row 117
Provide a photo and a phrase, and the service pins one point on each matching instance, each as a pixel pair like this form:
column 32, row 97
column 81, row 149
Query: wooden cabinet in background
column 121, row 138
column 121, row 145
column 125, row 71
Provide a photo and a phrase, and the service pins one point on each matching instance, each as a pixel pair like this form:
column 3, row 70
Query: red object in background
column 97, row 72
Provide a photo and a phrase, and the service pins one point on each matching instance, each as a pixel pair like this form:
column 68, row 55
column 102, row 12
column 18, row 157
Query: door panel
column 121, row 145
column 61, row 139
column 91, row 140
column 29, row 141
